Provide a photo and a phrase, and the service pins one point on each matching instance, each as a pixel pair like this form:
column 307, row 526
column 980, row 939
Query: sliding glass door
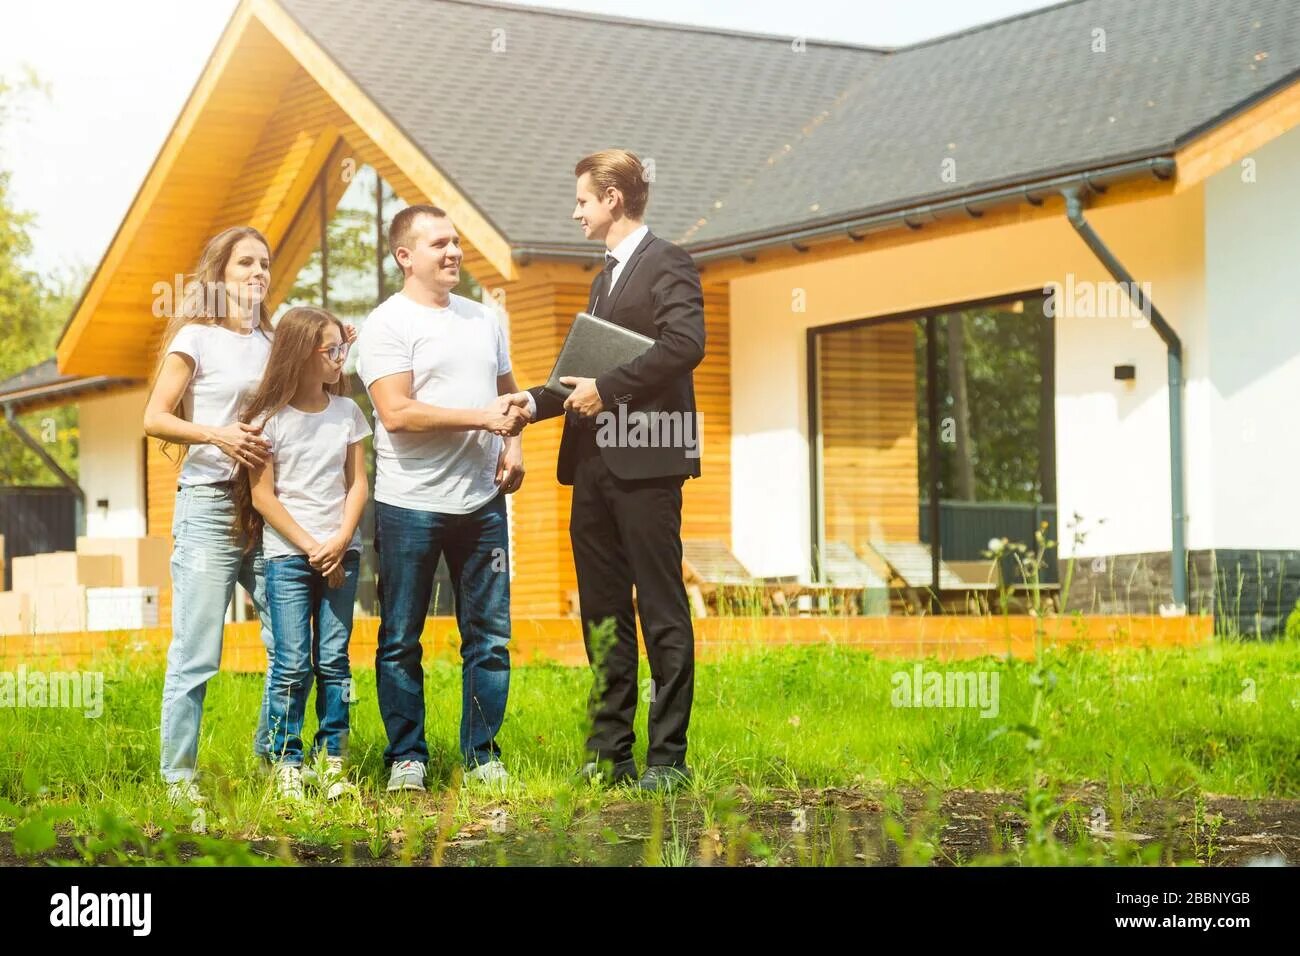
column 933, row 427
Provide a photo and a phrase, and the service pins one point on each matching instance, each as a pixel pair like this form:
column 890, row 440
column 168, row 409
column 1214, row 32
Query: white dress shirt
column 623, row 251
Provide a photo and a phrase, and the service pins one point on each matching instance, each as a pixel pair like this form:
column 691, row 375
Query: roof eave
column 916, row 213
column 52, row 394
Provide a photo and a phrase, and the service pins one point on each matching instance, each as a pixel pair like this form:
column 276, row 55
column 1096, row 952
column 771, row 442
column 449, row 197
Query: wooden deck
column 558, row 640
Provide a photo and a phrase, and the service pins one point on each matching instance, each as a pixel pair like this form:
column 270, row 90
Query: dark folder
column 593, row 347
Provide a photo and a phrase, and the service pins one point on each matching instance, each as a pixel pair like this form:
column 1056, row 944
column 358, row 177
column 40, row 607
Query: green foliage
column 33, row 310
column 1003, row 382
column 772, row 729
column 1293, row 623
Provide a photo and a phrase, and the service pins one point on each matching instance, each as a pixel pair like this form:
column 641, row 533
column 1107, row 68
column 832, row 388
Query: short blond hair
column 622, row 170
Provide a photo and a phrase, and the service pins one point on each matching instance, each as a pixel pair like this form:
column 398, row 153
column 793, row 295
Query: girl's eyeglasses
column 335, row 353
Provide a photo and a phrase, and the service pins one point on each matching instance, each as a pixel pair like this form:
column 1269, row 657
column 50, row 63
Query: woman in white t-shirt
column 214, row 350
column 306, row 503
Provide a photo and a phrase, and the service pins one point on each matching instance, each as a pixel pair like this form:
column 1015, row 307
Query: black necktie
column 604, row 283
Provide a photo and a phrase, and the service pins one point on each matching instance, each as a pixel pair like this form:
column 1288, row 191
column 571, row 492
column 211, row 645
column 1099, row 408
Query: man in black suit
column 625, row 524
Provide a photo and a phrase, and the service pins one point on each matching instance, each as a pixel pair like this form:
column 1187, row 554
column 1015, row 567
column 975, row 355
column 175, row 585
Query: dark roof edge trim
column 1238, row 108
column 42, row 394
column 968, row 204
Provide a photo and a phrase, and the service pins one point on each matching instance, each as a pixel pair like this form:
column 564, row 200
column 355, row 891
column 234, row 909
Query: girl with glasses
column 307, row 502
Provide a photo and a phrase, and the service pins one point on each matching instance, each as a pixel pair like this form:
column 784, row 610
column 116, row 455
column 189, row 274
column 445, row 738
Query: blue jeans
column 409, row 543
column 312, row 623
column 207, row 561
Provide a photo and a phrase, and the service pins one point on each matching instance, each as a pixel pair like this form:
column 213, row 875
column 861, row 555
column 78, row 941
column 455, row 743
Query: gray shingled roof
column 43, row 384
column 753, row 138
column 35, row 376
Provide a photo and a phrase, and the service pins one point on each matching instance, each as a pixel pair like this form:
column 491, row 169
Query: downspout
column 64, row 478
column 1174, row 350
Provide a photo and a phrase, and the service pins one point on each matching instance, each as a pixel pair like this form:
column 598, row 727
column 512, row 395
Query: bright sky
column 119, row 73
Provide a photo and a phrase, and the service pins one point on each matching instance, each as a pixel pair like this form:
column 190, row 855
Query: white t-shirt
column 228, row 366
column 454, row 356
column 309, row 453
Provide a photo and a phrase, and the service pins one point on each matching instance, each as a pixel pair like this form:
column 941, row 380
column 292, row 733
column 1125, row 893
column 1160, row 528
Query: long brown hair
column 203, row 298
column 298, row 335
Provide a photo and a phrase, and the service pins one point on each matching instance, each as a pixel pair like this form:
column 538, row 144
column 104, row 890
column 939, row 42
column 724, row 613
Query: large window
column 934, row 427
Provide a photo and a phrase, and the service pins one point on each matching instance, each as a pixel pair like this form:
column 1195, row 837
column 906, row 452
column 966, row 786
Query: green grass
column 1171, row 724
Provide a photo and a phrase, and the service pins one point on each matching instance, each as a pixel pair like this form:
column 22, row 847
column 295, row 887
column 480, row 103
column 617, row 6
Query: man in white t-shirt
column 447, row 450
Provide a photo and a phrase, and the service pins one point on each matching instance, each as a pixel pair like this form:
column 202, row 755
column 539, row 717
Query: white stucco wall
column 111, row 460
column 1112, row 438
column 1252, row 242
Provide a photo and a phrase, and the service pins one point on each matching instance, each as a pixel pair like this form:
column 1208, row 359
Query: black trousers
column 627, row 533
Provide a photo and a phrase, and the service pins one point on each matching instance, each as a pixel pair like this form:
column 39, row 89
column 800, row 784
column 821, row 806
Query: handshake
column 508, row 415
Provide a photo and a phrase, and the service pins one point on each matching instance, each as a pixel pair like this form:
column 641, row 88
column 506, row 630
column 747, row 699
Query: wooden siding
column 541, row 304
column 867, row 418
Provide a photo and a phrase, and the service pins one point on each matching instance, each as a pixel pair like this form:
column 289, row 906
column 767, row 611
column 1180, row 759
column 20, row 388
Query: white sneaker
column 184, row 793
column 335, row 780
column 288, row 782
column 492, row 773
column 406, row 775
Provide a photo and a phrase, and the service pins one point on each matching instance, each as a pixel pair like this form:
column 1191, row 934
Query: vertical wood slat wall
column 706, row 501
column 868, row 421
column 541, row 306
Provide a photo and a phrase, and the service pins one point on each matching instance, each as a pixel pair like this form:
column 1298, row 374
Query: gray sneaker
column 490, row 774
column 406, row 775
column 664, row 779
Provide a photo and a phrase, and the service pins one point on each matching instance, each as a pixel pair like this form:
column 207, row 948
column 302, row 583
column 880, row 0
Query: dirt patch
column 836, row 826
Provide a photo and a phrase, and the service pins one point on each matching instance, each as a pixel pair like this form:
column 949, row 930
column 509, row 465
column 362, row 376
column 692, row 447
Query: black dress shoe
column 664, row 779
column 605, row 771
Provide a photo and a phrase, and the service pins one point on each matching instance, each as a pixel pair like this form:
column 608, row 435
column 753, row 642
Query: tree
column 32, row 312
column 996, row 423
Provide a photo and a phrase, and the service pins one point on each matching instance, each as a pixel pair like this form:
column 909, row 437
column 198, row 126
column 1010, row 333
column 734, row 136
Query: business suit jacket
column 658, row 294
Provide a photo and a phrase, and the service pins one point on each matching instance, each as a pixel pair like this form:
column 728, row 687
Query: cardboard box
column 146, row 562
column 24, row 573
column 59, row 608
column 66, row 568
column 121, row 609
column 35, row 572
column 15, row 612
